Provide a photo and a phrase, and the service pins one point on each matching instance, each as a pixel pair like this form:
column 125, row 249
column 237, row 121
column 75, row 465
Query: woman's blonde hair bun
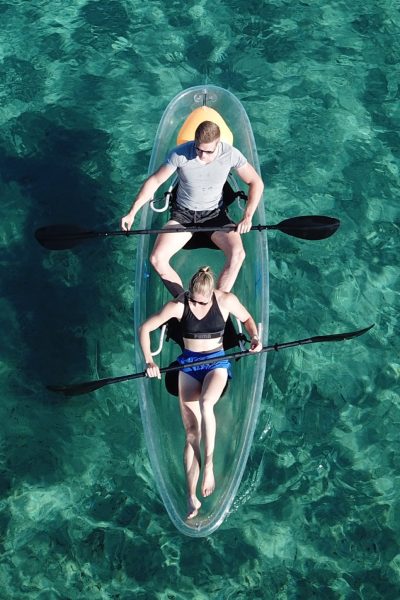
column 202, row 282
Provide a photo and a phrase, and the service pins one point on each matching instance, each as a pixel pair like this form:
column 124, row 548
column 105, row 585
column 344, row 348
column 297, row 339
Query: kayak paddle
column 91, row 386
column 63, row 237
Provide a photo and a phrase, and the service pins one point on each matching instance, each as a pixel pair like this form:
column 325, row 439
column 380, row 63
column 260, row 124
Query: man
column 203, row 166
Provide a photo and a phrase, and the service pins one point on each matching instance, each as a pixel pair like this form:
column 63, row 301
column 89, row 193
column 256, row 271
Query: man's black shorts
column 210, row 218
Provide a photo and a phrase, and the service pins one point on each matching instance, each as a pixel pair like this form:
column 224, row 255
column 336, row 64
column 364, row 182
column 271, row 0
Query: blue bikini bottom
column 200, row 371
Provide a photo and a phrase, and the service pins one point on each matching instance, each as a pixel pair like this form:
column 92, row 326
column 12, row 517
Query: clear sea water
column 83, row 85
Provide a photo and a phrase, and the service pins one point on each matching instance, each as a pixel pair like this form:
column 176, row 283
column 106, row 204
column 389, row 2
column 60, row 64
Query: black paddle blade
column 338, row 337
column 311, row 227
column 59, row 237
column 76, row 390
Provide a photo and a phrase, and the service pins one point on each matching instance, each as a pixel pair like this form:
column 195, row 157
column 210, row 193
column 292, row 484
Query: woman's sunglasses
column 198, row 301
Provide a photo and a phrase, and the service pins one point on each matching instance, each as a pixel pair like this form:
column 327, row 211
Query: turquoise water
column 83, row 86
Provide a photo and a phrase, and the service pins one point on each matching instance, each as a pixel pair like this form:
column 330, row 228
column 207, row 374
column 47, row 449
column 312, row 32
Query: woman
column 202, row 312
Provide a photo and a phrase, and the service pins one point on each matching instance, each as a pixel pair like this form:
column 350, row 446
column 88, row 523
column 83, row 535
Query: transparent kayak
column 237, row 411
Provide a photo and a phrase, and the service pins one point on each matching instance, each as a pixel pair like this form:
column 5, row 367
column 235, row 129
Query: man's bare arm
column 146, row 193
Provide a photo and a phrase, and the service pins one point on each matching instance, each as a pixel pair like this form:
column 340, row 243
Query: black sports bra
column 209, row 327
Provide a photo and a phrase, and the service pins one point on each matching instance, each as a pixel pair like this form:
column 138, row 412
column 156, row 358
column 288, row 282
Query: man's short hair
column 207, row 132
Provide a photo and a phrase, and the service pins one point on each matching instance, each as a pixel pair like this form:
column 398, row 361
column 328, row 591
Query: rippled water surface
column 83, row 85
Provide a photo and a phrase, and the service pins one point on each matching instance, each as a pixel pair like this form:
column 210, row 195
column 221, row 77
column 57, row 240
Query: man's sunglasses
column 205, row 151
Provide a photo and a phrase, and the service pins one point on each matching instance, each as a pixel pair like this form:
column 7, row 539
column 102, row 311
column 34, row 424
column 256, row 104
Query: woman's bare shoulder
column 224, row 297
column 226, row 300
column 176, row 306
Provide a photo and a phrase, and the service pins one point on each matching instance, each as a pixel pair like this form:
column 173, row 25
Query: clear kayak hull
column 236, row 413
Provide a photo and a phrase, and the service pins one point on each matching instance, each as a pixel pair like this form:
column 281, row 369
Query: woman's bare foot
column 194, row 505
column 208, row 485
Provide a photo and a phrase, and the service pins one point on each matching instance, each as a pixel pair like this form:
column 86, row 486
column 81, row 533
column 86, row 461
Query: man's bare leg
column 232, row 246
column 189, row 391
column 165, row 247
column 213, row 386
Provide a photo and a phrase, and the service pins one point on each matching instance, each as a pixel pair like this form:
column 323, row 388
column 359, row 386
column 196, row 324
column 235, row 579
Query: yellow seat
column 203, row 113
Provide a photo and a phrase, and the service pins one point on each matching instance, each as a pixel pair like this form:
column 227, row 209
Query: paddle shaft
column 240, row 354
column 308, row 227
column 98, row 234
column 91, row 386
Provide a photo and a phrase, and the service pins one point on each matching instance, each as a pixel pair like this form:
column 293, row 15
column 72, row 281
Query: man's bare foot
column 208, row 485
column 194, row 505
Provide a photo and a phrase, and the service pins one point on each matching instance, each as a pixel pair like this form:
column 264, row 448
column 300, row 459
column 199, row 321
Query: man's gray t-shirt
column 200, row 184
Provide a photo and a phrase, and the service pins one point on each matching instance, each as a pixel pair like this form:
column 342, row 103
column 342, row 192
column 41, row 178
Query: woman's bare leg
column 189, row 392
column 213, row 386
